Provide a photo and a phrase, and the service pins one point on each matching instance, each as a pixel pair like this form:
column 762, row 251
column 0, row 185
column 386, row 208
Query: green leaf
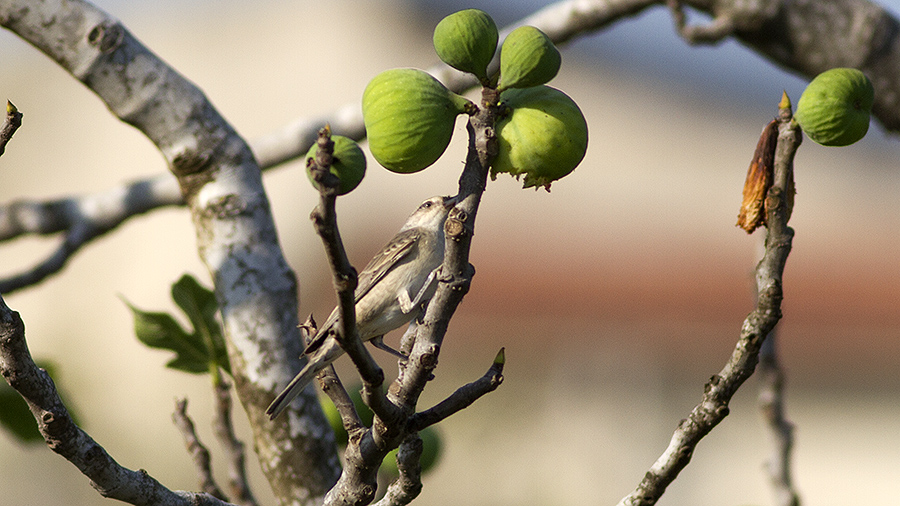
column 15, row 415
column 200, row 305
column 200, row 351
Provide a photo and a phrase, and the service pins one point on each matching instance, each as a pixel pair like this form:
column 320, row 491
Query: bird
column 391, row 292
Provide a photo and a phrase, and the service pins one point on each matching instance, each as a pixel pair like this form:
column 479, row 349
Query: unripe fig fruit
column 334, row 420
column 409, row 118
column 431, row 450
column 467, row 40
column 834, row 109
column 543, row 135
column 527, row 58
column 349, row 163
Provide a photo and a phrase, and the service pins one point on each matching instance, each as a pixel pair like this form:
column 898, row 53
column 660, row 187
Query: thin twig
column 196, row 449
column 456, row 272
column 234, row 447
column 11, row 123
column 359, row 480
column 64, row 437
column 780, row 429
column 463, row 397
column 713, row 407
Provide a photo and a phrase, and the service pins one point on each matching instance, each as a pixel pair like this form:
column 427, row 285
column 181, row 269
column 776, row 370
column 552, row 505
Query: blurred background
column 617, row 295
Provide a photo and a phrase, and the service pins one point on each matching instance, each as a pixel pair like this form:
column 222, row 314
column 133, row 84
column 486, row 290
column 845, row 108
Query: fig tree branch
column 392, row 425
column 462, row 398
column 780, row 429
column 408, row 485
column 67, row 439
column 365, row 449
column 234, row 448
column 11, row 123
column 219, row 179
column 199, row 453
column 713, row 407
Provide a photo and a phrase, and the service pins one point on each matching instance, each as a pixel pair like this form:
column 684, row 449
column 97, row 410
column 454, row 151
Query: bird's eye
column 426, row 205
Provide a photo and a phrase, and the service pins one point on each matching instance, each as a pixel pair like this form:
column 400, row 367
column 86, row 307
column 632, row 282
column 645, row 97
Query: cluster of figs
column 410, row 116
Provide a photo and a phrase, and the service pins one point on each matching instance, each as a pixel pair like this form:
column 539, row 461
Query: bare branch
column 781, row 430
column 234, row 448
column 64, row 437
column 358, row 482
column 11, row 123
column 219, row 179
column 408, row 485
column 463, row 397
column 721, row 26
column 713, row 407
column 344, row 276
column 195, row 448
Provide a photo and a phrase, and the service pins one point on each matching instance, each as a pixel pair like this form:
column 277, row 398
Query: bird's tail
column 293, row 390
column 324, row 356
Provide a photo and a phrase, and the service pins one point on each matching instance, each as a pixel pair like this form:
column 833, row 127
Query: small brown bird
column 390, row 293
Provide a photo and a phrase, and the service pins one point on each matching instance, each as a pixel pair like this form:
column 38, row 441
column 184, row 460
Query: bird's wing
column 400, row 246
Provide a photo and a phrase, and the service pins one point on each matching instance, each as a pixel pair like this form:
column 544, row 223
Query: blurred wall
column 616, row 295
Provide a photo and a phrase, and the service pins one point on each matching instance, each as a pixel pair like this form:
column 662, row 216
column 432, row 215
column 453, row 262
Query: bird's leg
column 378, row 342
column 407, row 304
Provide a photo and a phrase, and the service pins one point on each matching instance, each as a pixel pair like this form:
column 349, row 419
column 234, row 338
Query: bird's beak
column 450, row 201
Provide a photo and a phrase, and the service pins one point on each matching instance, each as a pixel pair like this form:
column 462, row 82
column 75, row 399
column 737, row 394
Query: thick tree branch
column 220, row 180
column 713, row 407
column 64, row 437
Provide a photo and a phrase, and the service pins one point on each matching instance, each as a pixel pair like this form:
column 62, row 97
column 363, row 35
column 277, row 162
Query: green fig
column 409, row 117
column 349, row 163
column 834, row 109
column 334, row 420
column 334, row 417
column 527, row 58
column 431, row 450
column 542, row 136
column 467, row 40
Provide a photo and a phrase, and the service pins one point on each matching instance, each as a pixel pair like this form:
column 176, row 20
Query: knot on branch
column 226, row 206
column 191, row 166
column 455, row 226
column 106, row 36
column 775, row 198
column 429, row 359
column 190, row 161
column 346, row 280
